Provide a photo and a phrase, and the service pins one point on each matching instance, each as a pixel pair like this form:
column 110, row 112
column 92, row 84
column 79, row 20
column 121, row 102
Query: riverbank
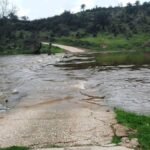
column 114, row 50
column 44, row 50
column 122, row 58
column 107, row 42
column 138, row 123
column 105, row 58
column 54, row 49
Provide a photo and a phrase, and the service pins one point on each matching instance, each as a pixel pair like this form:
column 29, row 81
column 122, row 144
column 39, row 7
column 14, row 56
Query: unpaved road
column 68, row 48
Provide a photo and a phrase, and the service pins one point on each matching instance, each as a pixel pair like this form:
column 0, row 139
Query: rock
column 103, row 46
column 110, row 145
column 40, row 60
column 120, row 130
column 146, row 44
column 133, row 143
column 125, row 140
column 107, row 110
column 2, row 98
column 2, row 95
column 15, row 91
column 6, row 101
column 80, row 85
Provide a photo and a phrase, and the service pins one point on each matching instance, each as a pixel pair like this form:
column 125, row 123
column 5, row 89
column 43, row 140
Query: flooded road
column 60, row 76
column 66, row 99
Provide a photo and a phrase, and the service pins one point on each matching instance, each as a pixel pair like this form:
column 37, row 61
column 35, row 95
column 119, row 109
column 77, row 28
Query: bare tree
column 6, row 8
column 13, row 9
column 3, row 8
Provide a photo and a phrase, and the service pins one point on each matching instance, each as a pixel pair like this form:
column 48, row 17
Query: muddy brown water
column 28, row 78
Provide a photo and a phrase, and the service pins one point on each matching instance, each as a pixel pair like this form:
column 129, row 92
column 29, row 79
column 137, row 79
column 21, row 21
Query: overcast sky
column 35, row 9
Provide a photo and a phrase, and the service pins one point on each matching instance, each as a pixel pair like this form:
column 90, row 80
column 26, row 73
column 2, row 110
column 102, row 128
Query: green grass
column 15, row 148
column 116, row 140
column 14, row 52
column 54, row 49
column 112, row 43
column 123, row 58
column 44, row 49
column 119, row 42
column 139, row 123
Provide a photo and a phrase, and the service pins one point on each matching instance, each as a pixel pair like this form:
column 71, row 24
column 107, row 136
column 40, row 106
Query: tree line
column 133, row 18
column 128, row 20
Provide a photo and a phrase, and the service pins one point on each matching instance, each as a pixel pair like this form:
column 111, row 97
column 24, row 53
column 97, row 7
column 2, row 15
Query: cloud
column 21, row 11
column 46, row 8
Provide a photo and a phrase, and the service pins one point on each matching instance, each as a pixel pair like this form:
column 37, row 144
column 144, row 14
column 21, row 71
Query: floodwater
column 30, row 78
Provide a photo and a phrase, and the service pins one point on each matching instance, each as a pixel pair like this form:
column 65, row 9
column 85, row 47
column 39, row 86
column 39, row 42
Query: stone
column 40, row 60
column 125, row 140
column 2, row 98
column 15, row 91
column 103, row 46
column 120, row 130
column 110, row 145
column 134, row 142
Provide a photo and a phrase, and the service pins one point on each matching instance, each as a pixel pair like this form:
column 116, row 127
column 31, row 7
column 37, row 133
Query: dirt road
column 68, row 48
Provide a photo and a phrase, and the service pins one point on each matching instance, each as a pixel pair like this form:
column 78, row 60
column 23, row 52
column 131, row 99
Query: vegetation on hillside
column 132, row 19
column 98, row 28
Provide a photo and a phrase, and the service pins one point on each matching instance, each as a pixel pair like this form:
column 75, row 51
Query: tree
column 101, row 19
column 24, row 18
column 130, row 9
column 83, row 7
column 66, row 17
column 13, row 17
column 137, row 3
column 32, row 44
column 7, row 9
column 4, row 10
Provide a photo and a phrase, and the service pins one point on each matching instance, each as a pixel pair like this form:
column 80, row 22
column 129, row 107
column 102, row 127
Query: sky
column 36, row 9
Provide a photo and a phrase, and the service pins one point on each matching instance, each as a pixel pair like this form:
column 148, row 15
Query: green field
column 108, row 42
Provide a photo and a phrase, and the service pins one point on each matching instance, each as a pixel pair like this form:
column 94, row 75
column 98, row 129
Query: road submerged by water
column 63, row 100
